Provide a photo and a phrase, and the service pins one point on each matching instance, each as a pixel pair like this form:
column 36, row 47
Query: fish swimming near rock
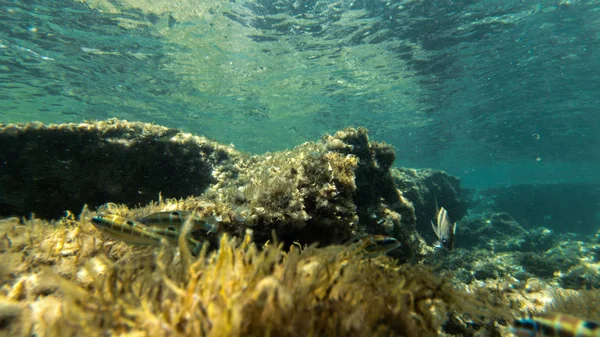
column 444, row 229
column 374, row 245
column 133, row 232
column 559, row 325
column 175, row 219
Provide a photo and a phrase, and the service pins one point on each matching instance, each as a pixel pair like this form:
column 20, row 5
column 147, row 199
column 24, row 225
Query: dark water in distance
column 497, row 92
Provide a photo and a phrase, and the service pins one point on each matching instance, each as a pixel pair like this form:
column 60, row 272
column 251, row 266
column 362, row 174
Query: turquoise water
column 496, row 92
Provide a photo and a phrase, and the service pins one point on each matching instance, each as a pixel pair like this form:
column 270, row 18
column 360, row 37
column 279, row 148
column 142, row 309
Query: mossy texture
column 63, row 280
column 429, row 189
column 326, row 191
column 49, row 169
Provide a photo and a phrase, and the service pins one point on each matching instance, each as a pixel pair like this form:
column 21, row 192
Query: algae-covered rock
column 381, row 206
column 498, row 232
column 428, row 190
column 48, row 169
column 498, row 246
column 65, row 278
column 325, row 191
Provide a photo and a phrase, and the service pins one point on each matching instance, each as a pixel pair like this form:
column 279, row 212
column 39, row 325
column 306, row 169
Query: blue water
column 496, row 92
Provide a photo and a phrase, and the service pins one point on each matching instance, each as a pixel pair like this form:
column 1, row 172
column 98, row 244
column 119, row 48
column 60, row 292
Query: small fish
column 444, row 229
column 132, row 232
column 168, row 134
column 374, row 245
column 123, row 229
column 175, row 219
column 559, row 325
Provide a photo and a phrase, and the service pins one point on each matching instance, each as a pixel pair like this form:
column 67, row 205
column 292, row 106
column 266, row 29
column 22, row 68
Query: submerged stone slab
column 47, row 169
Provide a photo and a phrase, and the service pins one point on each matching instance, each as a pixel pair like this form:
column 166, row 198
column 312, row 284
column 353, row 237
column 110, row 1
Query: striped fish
column 444, row 229
column 173, row 220
column 555, row 325
column 373, row 245
column 126, row 230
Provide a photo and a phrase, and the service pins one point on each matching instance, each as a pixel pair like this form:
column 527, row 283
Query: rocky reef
column 429, row 189
column 498, row 247
column 277, row 265
column 327, row 191
column 49, row 169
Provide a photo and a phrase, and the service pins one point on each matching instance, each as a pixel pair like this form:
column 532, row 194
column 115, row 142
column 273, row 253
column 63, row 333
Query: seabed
column 277, row 266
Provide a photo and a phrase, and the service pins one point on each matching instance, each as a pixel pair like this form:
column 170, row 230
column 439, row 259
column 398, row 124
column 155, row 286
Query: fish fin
column 454, row 226
column 442, row 218
column 435, row 229
column 213, row 228
column 355, row 240
column 438, row 244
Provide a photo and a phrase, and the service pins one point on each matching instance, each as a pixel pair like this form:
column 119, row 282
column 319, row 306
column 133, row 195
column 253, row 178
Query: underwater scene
column 299, row 168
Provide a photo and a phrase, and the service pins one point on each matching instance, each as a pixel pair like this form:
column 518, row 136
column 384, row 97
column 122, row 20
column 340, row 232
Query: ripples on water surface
column 473, row 87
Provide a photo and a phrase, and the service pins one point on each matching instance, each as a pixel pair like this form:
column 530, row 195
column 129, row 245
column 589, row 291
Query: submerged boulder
column 48, row 169
column 428, row 190
column 326, row 191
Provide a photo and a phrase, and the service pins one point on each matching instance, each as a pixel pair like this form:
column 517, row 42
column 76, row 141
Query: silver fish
column 444, row 229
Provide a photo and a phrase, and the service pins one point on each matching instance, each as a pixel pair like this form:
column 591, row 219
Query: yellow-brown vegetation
column 64, row 279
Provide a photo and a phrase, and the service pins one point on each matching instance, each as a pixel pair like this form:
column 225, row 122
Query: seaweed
column 583, row 303
column 77, row 285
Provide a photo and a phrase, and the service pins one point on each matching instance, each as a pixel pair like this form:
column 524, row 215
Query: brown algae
column 63, row 279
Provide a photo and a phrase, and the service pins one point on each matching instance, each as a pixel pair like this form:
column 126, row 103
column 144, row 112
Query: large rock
column 428, row 190
column 47, row 169
column 326, row 191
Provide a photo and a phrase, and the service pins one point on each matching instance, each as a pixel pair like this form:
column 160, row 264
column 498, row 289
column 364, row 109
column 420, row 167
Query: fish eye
column 130, row 223
column 176, row 213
